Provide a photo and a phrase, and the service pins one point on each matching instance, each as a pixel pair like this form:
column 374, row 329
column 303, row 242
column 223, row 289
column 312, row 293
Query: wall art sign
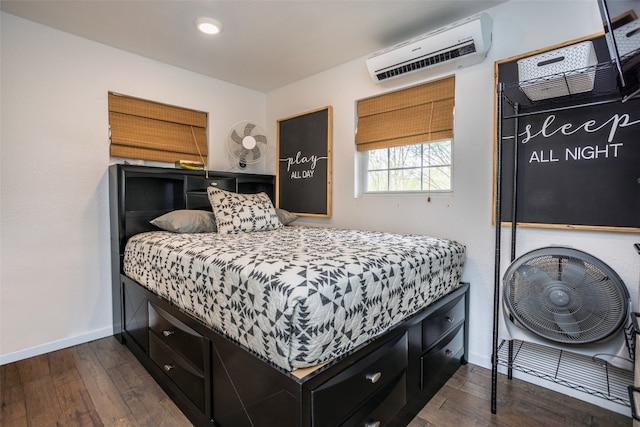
column 576, row 167
column 303, row 172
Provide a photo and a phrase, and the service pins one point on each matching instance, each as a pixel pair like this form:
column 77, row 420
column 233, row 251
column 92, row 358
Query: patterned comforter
column 297, row 296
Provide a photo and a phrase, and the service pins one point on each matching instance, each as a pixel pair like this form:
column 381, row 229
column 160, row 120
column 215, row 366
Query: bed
column 286, row 326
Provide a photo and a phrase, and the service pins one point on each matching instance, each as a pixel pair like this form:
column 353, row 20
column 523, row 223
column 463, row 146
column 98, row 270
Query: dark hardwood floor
column 102, row 384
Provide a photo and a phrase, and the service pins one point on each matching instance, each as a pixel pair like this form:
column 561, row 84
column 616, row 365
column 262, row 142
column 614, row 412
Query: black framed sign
column 576, row 167
column 303, row 173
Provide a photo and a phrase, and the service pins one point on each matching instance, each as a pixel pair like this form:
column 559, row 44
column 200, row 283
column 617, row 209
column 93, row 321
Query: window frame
column 417, row 115
column 363, row 176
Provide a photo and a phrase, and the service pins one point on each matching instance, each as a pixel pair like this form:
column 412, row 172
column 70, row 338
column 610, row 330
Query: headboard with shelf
column 138, row 194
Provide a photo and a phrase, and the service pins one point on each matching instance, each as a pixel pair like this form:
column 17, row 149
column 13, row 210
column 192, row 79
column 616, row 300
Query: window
column 406, row 138
column 418, row 167
column 148, row 130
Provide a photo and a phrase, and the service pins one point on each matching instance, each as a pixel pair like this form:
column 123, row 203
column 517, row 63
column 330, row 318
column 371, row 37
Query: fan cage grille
column 565, row 298
column 235, row 145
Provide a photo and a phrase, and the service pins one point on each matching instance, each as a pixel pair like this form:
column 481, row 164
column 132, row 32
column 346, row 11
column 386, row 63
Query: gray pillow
column 285, row 216
column 186, row 221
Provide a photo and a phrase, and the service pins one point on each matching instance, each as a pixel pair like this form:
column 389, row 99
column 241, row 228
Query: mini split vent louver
column 462, row 43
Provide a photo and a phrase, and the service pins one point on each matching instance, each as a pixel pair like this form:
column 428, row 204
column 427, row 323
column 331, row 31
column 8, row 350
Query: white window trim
column 361, row 179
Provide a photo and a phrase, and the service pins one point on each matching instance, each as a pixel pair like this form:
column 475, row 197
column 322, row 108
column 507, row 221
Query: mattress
column 297, row 296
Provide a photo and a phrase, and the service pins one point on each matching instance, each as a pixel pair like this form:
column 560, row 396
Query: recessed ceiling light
column 208, row 25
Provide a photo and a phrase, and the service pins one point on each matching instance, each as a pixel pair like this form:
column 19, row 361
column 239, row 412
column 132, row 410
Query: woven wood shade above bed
column 410, row 116
column 149, row 130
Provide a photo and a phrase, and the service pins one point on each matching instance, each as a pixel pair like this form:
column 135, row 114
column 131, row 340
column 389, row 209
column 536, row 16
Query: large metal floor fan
column 565, row 295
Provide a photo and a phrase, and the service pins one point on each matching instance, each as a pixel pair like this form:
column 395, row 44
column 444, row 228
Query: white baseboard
column 54, row 345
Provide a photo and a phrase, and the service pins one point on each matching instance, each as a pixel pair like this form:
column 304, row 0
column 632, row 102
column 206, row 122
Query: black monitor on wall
column 621, row 21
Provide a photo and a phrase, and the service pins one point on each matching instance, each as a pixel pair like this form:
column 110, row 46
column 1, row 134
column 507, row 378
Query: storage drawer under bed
column 188, row 379
column 341, row 396
column 176, row 335
column 443, row 359
column 442, row 322
column 380, row 409
column 180, row 352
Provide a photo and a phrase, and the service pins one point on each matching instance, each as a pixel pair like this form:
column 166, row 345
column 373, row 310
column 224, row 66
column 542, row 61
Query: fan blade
column 236, row 138
column 248, row 128
column 567, row 323
column 242, row 152
column 261, row 139
column 573, row 272
column 531, row 312
column 530, row 303
column 533, row 275
column 256, row 153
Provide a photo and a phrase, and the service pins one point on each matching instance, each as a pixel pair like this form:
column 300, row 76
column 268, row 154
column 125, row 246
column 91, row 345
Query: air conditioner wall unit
column 462, row 43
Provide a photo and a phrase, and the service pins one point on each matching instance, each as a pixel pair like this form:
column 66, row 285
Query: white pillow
column 238, row 213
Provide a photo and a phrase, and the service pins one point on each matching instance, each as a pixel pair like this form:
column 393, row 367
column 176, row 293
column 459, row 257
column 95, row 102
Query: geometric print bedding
column 298, row 295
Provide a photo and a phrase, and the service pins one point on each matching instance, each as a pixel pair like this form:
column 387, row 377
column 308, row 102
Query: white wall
column 55, row 280
column 519, row 27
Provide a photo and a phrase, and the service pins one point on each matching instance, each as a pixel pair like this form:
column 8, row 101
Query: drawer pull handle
column 168, row 367
column 448, row 352
column 450, row 319
column 372, row 424
column 374, row 378
column 168, row 332
column 213, row 184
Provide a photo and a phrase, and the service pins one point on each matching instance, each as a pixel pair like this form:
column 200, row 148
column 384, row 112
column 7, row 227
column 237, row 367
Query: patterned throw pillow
column 238, row 213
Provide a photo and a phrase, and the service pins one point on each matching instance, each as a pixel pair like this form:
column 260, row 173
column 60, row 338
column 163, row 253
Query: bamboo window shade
column 415, row 115
column 149, row 130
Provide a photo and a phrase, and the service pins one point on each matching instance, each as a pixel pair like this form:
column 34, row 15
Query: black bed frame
column 217, row 382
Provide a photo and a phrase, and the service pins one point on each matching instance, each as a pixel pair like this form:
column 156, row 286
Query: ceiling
column 264, row 45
